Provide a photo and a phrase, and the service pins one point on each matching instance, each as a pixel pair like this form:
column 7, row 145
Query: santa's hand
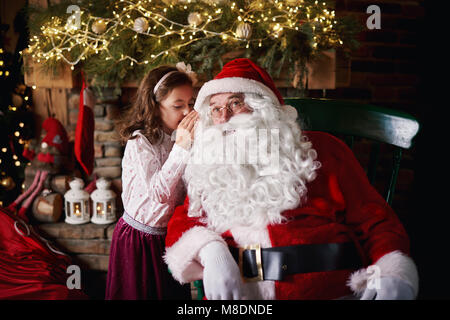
column 389, row 288
column 221, row 276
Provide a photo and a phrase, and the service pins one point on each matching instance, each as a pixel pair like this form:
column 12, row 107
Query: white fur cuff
column 182, row 257
column 393, row 264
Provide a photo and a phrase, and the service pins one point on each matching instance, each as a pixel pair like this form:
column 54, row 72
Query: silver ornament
column 140, row 25
column 244, row 30
column 194, row 19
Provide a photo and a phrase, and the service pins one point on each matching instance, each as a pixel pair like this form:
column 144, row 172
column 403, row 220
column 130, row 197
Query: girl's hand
column 186, row 129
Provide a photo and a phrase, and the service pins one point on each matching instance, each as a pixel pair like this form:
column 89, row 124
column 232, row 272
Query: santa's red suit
column 341, row 207
column 340, row 203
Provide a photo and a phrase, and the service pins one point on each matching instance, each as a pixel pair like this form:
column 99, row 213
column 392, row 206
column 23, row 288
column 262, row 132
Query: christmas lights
column 141, row 33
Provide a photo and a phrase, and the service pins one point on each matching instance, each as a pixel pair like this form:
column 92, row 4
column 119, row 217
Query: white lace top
column 151, row 179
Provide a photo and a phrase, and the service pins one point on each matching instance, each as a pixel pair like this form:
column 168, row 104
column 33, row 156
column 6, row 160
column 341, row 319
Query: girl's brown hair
column 144, row 113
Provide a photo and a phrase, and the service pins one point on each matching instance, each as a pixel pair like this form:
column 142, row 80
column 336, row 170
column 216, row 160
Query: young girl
column 152, row 168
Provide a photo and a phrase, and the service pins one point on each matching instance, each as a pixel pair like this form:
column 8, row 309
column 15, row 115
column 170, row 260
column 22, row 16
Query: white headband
column 164, row 77
column 182, row 67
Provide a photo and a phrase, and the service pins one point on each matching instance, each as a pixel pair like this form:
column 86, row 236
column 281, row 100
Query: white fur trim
column 358, row 281
column 393, row 264
column 182, row 256
column 233, row 84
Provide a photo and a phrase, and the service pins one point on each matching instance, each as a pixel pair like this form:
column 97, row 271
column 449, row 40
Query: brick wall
column 108, row 150
column 385, row 71
column 89, row 244
column 89, row 247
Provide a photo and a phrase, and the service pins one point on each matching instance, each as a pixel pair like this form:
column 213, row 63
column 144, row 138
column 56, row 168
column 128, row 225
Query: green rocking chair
column 354, row 120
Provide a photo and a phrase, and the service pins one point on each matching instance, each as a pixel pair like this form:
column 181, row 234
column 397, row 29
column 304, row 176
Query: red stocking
column 84, row 132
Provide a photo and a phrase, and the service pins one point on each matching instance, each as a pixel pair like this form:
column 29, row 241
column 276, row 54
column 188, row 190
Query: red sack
column 30, row 268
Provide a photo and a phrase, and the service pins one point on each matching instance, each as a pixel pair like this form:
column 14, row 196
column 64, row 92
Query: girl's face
column 175, row 106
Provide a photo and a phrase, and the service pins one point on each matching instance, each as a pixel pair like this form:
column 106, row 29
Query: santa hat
column 243, row 76
column 56, row 135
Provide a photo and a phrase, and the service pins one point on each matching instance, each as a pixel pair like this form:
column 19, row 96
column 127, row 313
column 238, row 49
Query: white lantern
column 103, row 203
column 77, row 203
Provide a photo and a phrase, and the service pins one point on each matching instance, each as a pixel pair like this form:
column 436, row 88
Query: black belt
column 274, row 263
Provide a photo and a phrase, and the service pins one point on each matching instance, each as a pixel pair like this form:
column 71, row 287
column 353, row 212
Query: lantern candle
column 77, row 209
column 100, row 210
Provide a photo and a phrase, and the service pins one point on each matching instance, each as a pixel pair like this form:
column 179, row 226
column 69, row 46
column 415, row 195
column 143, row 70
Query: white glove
column 221, row 275
column 390, row 288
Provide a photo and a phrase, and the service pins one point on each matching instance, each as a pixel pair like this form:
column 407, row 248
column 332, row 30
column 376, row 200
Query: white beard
column 254, row 190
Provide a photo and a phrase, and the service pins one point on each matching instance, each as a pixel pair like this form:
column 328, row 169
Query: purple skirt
column 136, row 268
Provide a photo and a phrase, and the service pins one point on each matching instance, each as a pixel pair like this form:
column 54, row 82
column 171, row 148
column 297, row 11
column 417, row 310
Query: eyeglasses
column 234, row 105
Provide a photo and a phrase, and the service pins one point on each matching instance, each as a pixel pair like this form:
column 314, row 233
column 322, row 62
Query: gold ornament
column 8, row 183
column 99, row 26
column 140, row 25
column 194, row 19
column 244, row 31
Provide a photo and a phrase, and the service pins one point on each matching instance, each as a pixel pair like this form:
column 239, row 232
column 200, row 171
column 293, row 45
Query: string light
column 59, row 38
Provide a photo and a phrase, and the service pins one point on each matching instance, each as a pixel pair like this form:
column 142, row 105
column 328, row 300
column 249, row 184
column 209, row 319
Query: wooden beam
column 49, row 103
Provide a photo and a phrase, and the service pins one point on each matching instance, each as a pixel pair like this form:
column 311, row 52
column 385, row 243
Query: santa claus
column 274, row 212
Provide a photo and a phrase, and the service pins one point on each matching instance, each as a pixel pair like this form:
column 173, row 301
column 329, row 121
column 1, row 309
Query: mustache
column 244, row 140
column 243, row 120
column 237, row 123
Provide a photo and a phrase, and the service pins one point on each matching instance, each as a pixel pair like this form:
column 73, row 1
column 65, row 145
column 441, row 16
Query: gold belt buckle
column 257, row 248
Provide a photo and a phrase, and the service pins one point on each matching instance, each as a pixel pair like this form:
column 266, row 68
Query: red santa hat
column 56, row 135
column 240, row 75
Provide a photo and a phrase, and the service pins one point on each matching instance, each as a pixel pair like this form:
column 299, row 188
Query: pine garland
column 283, row 34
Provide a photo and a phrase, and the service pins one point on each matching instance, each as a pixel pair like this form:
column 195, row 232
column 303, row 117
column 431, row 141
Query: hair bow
column 182, row 67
